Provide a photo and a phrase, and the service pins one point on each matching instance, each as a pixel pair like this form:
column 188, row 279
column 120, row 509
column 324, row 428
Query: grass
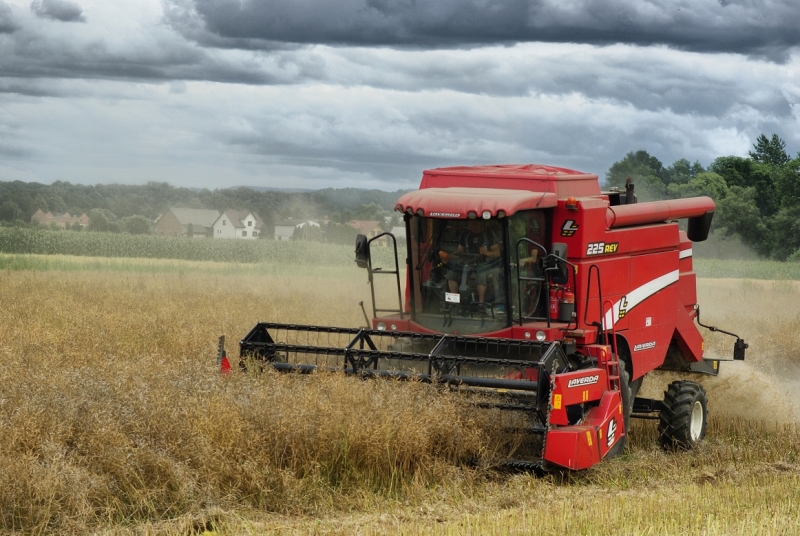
column 114, row 420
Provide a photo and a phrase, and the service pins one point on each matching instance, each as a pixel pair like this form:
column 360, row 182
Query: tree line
column 757, row 197
column 133, row 208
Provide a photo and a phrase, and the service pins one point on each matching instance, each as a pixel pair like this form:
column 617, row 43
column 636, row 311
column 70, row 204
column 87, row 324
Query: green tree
column 98, row 221
column 770, row 151
column 785, row 232
column 308, row 232
column 371, row 211
column 136, row 225
column 57, row 205
column 734, row 169
column 739, row 215
column 787, row 183
column 681, row 172
column 747, row 173
column 647, row 172
column 9, row 211
column 338, row 233
column 711, row 184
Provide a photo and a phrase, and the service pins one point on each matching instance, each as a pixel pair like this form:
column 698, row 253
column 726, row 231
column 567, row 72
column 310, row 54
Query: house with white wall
column 239, row 224
column 284, row 230
column 191, row 222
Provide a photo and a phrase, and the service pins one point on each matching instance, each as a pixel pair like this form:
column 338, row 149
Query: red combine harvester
column 530, row 283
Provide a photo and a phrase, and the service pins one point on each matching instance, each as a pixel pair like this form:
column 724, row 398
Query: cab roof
column 532, row 177
column 458, row 203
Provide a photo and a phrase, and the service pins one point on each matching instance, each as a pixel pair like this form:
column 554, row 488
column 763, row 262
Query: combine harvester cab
column 530, row 284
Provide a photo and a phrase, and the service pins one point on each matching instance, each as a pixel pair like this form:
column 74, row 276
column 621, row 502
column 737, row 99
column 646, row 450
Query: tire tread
column 674, row 426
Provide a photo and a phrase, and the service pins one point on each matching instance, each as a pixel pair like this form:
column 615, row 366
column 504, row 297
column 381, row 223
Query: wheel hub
column 696, row 425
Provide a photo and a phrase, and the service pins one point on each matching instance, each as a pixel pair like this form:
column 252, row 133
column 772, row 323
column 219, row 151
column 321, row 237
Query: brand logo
column 612, row 432
column 644, row 346
column 445, row 214
column 569, row 228
column 580, row 382
column 623, row 307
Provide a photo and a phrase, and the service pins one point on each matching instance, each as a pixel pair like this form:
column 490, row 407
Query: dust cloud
column 746, row 390
column 767, row 315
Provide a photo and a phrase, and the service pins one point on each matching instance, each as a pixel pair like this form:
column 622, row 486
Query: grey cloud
column 7, row 23
column 368, row 22
column 393, row 140
column 33, row 55
column 652, row 78
column 62, row 10
column 153, row 53
column 758, row 27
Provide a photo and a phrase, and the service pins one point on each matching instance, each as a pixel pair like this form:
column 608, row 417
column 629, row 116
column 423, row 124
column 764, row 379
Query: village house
column 194, row 222
column 240, row 224
column 284, row 230
column 370, row 229
column 60, row 219
column 399, row 233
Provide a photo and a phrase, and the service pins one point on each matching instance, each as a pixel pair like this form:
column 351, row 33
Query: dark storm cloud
column 367, row 22
column 32, row 47
column 30, row 54
column 7, row 22
column 760, row 27
column 62, row 10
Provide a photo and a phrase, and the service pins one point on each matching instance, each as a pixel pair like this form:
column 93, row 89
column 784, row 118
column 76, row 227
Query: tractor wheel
column 635, row 386
column 627, row 406
column 684, row 416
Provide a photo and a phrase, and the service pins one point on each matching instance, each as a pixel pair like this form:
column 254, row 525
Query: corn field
column 88, row 244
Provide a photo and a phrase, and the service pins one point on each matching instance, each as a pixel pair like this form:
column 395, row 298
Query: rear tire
column 684, row 416
column 627, row 406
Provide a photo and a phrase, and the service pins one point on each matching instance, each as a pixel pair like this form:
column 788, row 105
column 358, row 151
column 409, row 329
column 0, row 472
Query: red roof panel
column 459, row 202
column 534, row 177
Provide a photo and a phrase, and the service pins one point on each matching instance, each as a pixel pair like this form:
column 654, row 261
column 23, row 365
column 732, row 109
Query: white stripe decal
column 637, row 296
column 685, row 253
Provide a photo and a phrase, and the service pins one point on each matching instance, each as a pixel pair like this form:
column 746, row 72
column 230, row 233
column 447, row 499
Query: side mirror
column 738, row 349
column 561, row 275
column 560, row 250
column 362, row 251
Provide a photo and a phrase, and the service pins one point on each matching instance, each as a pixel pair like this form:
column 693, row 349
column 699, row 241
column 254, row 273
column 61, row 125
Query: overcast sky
column 368, row 93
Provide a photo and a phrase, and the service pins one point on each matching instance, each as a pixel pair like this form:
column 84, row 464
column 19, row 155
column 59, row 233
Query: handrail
column 613, row 328
column 396, row 272
column 599, row 323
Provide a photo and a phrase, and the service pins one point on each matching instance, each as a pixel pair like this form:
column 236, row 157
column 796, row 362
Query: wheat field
column 114, row 420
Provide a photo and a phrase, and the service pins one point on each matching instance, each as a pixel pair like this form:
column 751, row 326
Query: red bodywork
column 642, row 257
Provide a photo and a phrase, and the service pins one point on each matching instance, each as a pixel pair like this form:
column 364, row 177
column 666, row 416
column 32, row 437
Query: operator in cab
column 479, row 248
